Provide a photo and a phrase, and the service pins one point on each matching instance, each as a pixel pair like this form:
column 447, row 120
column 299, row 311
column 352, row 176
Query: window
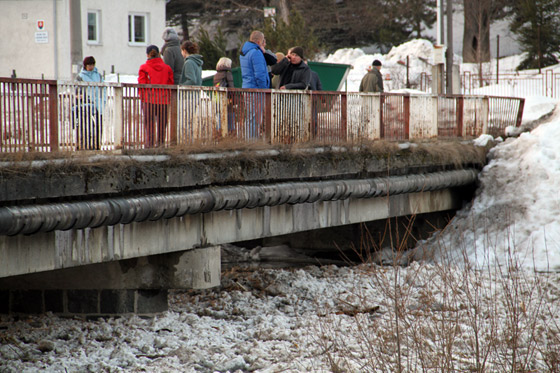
column 137, row 28
column 93, row 21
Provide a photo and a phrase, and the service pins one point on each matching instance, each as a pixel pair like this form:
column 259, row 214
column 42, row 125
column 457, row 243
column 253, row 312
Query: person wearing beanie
column 294, row 72
column 171, row 52
column 154, row 100
column 88, row 109
column 373, row 80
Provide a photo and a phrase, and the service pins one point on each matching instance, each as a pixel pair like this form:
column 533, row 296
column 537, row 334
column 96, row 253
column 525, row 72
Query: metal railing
column 48, row 116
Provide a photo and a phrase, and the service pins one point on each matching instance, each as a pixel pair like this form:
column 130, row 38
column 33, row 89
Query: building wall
column 50, row 57
column 114, row 49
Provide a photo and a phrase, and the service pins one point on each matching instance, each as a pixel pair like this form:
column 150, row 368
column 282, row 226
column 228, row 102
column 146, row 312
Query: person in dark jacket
column 192, row 67
column 372, row 81
column 171, row 52
column 294, row 72
column 223, row 77
column 154, row 100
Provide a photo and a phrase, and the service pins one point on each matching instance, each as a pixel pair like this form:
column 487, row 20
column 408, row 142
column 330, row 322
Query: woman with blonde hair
column 223, row 77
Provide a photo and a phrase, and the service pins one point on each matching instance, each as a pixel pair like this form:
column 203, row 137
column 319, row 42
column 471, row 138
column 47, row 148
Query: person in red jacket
column 154, row 100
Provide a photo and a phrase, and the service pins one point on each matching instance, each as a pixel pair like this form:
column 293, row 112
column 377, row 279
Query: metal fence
column 46, row 116
column 522, row 84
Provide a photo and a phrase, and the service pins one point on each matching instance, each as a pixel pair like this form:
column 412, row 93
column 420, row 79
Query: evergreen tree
column 281, row 36
column 537, row 25
column 212, row 49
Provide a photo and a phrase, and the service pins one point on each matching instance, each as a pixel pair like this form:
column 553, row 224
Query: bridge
column 110, row 230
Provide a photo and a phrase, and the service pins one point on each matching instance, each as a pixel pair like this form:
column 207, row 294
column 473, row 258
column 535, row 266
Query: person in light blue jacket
column 87, row 113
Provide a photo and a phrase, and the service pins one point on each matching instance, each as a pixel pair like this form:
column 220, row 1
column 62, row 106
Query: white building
column 49, row 38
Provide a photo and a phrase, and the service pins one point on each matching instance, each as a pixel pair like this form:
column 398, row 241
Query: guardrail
column 48, row 116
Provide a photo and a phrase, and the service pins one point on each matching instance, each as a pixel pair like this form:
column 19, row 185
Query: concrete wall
column 51, row 59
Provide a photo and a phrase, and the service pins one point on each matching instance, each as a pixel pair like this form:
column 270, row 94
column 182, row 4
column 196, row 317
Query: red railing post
column 406, row 114
column 53, row 115
column 520, row 112
column 343, row 116
column 459, row 115
column 268, row 116
column 173, row 116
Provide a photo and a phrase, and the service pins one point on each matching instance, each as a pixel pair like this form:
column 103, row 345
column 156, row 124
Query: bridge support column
column 138, row 285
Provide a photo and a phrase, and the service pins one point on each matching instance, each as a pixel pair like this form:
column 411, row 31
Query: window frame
column 132, row 28
column 97, row 14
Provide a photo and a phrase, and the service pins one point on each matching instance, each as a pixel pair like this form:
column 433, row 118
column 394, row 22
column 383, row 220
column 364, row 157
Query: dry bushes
column 443, row 316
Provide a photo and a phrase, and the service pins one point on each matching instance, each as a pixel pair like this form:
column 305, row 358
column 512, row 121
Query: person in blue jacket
column 254, row 71
column 254, row 74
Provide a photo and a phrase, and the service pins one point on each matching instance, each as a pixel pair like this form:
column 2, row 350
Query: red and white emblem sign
column 40, row 25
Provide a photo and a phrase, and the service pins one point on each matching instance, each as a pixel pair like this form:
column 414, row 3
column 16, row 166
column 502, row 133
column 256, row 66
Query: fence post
column 173, row 116
column 344, row 116
column 268, row 116
column 53, row 115
column 406, row 114
column 520, row 112
column 118, row 116
column 381, row 119
column 485, row 115
column 459, row 105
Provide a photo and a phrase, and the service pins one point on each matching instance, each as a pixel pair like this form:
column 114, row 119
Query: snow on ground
column 341, row 318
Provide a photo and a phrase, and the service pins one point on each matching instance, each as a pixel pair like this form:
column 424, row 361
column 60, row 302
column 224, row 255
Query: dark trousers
column 87, row 122
column 155, row 123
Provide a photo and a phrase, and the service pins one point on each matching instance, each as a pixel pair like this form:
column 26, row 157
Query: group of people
column 260, row 68
column 181, row 64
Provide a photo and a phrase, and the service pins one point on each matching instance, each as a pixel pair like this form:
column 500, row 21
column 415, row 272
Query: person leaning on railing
column 294, row 73
column 154, row 100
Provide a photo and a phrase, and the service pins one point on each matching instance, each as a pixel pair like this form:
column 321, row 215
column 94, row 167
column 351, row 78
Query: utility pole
column 449, row 51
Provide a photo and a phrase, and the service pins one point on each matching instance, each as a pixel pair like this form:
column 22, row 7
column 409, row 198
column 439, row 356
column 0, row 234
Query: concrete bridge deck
column 128, row 227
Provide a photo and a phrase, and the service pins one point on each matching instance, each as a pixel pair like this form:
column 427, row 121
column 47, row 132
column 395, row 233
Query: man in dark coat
column 372, row 81
column 294, row 72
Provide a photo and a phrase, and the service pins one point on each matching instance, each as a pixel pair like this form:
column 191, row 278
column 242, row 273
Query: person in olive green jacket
column 192, row 67
column 372, row 81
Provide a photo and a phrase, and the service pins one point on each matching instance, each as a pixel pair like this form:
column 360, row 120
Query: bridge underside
column 121, row 268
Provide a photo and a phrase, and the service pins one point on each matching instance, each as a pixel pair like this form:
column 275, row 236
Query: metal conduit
column 91, row 214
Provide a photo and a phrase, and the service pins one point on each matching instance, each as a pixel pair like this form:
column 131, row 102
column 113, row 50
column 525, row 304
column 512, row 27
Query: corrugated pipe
column 78, row 215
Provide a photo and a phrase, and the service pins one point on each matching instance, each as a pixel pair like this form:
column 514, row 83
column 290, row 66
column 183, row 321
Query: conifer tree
column 537, row 25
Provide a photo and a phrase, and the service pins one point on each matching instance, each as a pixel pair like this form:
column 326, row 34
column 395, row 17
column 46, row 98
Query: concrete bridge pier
column 138, row 285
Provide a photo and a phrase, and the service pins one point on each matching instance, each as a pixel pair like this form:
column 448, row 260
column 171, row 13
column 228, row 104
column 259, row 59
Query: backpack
column 222, row 83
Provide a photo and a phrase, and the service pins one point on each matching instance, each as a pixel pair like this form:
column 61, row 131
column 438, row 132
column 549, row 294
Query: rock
column 45, row 346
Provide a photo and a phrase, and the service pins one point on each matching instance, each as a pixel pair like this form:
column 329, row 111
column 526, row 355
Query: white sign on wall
column 41, row 37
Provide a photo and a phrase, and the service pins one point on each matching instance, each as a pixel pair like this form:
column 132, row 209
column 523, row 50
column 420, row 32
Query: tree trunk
column 283, row 10
column 476, row 35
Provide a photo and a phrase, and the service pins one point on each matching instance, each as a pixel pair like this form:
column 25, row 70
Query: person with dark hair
column 88, row 108
column 154, row 100
column 171, row 52
column 372, row 81
column 294, row 72
column 192, row 66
